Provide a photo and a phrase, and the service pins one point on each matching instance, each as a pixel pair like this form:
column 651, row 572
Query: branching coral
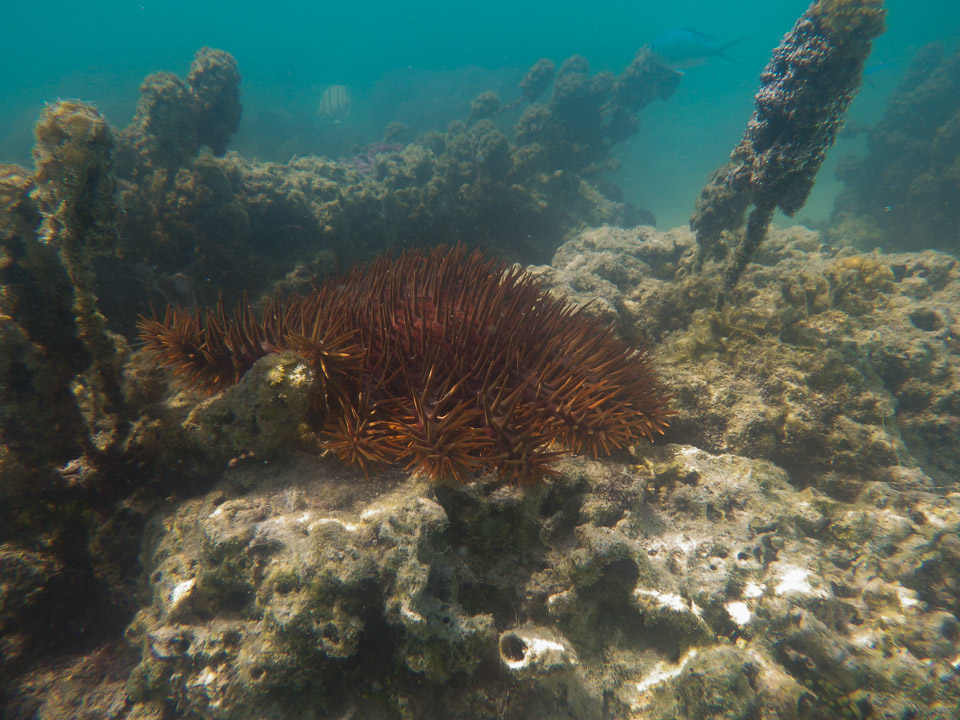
column 804, row 92
column 446, row 361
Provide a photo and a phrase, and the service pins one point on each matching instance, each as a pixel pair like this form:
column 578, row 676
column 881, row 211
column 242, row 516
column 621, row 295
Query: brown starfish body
column 445, row 361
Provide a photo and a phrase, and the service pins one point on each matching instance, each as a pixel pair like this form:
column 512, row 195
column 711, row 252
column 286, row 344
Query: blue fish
column 879, row 67
column 871, row 70
column 682, row 48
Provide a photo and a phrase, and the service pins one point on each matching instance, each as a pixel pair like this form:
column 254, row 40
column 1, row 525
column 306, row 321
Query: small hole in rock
column 512, row 648
column 331, row 633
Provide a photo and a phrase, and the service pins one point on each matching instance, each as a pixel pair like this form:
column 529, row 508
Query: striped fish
column 335, row 102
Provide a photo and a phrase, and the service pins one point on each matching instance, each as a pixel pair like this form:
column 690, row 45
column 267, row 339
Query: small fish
column 682, row 48
column 878, row 67
column 871, row 70
column 335, row 102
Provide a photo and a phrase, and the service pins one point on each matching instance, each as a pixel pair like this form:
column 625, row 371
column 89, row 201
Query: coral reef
column 837, row 365
column 107, row 222
column 684, row 585
column 446, row 361
column 675, row 581
column 900, row 196
column 804, row 92
column 195, row 226
column 791, row 553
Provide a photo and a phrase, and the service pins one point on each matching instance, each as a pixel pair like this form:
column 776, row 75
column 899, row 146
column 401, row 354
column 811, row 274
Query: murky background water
column 422, row 65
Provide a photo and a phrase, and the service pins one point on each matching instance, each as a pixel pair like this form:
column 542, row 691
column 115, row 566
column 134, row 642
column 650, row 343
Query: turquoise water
column 422, row 63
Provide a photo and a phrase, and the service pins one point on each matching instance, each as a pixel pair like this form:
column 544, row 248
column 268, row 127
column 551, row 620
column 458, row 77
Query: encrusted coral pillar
column 804, row 93
column 75, row 194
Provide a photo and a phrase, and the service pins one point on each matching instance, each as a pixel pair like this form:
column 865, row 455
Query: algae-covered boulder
column 262, row 415
column 300, row 587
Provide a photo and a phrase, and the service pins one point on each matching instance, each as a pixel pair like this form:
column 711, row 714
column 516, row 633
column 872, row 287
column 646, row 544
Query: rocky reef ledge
column 790, row 551
column 650, row 589
column 681, row 585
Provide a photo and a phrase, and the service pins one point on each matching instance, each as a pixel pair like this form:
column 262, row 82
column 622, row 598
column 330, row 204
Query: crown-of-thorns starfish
column 446, row 361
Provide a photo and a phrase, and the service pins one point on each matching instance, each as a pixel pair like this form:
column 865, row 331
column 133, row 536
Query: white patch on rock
column 663, row 671
column 907, row 597
column 738, row 612
column 349, row 527
column 411, row 615
column 535, row 652
column 670, row 601
column 299, row 375
column 667, row 600
column 753, row 590
column 206, row 677
column 536, row 647
column 793, row 579
column 181, row 592
column 683, row 543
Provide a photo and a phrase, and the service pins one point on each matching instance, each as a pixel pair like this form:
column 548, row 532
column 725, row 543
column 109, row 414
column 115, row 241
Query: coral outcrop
column 854, row 354
column 901, row 194
column 62, row 410
column 586, row 114
column 175, row 119
column 804, row 92
column 61, row 367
